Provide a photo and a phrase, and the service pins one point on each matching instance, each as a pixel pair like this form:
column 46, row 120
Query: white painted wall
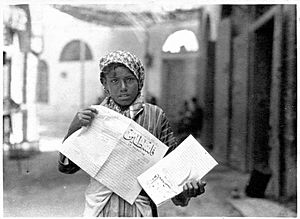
column 60, row 29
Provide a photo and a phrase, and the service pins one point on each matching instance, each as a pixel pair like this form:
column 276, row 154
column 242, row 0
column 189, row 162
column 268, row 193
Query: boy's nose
column 123, row 85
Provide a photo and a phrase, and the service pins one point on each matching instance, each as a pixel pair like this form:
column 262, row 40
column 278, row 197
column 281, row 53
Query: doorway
column 173, row 87
column 259, row 94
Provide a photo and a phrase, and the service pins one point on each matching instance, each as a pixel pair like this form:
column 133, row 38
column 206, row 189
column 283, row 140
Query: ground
column 33, row 187
column 40, row 190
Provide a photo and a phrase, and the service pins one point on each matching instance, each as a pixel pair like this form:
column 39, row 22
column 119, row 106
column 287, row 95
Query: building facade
column 253, row 105
column 19, row 79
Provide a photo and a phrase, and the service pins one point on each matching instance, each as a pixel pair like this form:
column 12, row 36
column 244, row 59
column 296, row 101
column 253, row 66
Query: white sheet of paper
column 90, row 147
column 166, row 178
column 114, row 150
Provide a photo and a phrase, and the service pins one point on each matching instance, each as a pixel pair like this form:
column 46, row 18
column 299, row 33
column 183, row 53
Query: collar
column 131, row 112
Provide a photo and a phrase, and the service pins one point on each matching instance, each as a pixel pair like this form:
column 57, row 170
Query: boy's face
column 122, row 86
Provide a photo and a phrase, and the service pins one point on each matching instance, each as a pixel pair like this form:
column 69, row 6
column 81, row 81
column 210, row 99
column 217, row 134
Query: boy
column 122, row 77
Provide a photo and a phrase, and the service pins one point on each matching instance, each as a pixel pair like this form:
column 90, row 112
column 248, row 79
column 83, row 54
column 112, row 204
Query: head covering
column 132, row 62
column 135, row 65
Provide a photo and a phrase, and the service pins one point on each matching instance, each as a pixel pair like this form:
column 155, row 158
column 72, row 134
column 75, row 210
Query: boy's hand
column 190, row 189
column 83, row 118
column 194, row 188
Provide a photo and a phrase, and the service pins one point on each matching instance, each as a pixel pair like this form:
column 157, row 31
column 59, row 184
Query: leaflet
column 166, row 178
column 114, row 150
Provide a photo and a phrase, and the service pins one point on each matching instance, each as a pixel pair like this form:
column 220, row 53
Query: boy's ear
column 140, row 86
column 103, row 81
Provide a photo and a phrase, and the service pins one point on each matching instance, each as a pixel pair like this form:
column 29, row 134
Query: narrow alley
column 227, row 74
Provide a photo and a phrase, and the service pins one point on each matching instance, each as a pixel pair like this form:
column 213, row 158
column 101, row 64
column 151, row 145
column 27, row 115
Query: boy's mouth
column 124, row 96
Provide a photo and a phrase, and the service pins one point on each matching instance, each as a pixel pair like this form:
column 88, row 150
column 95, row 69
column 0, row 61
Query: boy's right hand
column 84, row 117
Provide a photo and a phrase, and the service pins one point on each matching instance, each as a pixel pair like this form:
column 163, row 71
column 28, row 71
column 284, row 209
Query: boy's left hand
column 192, row 188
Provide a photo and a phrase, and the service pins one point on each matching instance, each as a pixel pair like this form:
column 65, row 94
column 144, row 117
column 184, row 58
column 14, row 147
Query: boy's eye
column 114, row 80
column 130, row 79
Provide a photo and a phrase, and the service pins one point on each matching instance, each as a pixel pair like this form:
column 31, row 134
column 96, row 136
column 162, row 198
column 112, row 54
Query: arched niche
column 72, row 51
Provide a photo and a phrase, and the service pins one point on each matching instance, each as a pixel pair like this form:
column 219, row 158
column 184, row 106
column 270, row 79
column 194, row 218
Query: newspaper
column 166, row 178
column 114, row 150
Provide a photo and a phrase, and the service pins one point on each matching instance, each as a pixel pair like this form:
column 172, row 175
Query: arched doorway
column 74, row 59
column 179, row 59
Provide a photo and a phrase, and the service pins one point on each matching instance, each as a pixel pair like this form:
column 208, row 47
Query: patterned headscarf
column 132, row 62
column 135, row 65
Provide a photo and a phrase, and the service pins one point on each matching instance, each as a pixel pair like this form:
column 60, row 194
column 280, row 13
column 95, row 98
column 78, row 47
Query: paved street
column 213, row 203
column 40, row 190
column 37, row 189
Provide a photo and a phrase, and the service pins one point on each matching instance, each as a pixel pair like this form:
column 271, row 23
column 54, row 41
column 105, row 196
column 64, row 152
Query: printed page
column 90, row 147
column 114, row 150
column 166, row 178
column 135, row 152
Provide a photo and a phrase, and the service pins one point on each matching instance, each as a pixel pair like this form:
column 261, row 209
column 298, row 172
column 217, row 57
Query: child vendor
column 122, row 77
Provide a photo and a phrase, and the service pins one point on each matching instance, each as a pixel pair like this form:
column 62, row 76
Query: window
column 181, row 41
column 71, row 52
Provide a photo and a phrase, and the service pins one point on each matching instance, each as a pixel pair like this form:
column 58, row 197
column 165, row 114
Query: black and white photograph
column 147, row 108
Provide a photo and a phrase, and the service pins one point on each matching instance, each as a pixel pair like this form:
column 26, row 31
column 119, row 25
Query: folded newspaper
column 166, row 178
